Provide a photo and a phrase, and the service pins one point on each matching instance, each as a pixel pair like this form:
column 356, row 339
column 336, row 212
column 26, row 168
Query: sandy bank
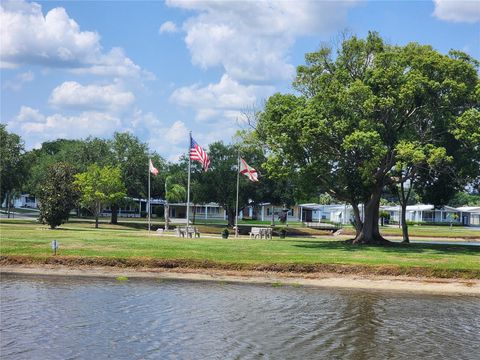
column 383, row 283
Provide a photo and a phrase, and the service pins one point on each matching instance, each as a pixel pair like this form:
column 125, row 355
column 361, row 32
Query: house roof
column 326, row 208
column 419, row 207
column 470, row 209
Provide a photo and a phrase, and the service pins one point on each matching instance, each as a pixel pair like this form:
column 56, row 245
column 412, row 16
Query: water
column 81, row 318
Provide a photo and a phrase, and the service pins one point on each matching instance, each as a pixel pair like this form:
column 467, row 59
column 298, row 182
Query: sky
column 73, row 69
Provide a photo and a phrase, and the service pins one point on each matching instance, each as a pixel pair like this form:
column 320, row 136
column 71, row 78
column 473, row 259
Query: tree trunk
column 358, row 219
column 370, row 232
column 97, row 212
column 8, row 205
column 114, row 217
column 231, row 217
column 405, row 240
column 167, row 215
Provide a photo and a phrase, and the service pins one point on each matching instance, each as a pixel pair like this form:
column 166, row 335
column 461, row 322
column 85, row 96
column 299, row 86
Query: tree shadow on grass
column 91, row 229
column 391, row 248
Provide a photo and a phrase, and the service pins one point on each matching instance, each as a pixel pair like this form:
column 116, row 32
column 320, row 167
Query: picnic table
column 261, row 232
column 188, row 231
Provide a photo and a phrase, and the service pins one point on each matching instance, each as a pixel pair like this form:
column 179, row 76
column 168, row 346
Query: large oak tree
column 358, row 107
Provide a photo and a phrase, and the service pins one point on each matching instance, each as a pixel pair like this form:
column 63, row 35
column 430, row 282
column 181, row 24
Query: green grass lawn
column 25, row 238
column 216, row 226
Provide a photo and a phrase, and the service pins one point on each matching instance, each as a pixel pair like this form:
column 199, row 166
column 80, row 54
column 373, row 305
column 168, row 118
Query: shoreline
column 415, row 285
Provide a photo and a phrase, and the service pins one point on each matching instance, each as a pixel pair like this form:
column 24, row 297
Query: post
column 188, row 181
column 166, row 209
column 236, row 208
column 148, row 203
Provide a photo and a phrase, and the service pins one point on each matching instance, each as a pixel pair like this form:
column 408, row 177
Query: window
column 213, row 210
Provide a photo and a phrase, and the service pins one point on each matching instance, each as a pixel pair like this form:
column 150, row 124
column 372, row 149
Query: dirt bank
column 148, row 263
column 316, row 279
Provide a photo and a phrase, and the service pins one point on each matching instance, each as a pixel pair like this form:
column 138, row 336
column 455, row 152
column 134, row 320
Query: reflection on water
column 78, row 318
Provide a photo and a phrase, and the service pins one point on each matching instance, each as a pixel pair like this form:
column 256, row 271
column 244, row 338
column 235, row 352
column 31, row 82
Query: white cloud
column 27, row 114
column 19, row 81
column 170, row 139
column 55, row 40
column 457, row 10
column 176, row 133
column 222, row 98
column 35, row 127
column 251, row 39
column 168, row 27
column 72, row 95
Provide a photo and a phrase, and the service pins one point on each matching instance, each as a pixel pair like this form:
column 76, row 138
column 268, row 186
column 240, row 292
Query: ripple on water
column 61, row 318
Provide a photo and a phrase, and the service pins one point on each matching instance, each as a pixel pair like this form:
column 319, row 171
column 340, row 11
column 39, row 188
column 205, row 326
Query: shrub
column 225, row 233
column 58, row 195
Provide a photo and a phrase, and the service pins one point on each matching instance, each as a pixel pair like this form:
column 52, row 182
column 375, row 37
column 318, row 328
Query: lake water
column 83, row 318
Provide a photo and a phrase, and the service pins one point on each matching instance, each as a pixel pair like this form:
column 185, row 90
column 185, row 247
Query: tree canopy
column 100, row 187
column 57, row 194
column 356, row 110
column 13, row 168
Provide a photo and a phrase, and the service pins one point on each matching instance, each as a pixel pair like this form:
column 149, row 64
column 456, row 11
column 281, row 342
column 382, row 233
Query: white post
column 206, row 212
column 236, row 208
column 188, row 181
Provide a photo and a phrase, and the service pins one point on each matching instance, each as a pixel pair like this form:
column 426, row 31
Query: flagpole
column 236, row 209
column 149, row 209
column 188, row 181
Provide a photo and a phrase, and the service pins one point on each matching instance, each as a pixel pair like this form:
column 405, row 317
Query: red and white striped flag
column 152, row 168
column 248, row 171
column 197, row 154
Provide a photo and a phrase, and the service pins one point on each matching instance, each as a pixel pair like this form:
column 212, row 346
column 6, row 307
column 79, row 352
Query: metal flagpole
column 149, row 209
column 236, row 209
column 188, row 181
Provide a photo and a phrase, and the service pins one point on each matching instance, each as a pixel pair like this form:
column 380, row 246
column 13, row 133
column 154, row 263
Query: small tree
column 57, row 194
column 12, row 165
column 100, row 187
column 173, row 193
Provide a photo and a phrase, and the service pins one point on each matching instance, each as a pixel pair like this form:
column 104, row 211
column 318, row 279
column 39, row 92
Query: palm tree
column 173, row 193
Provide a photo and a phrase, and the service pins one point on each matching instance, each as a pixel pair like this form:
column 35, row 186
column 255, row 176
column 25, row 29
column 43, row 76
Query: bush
column 283, row 233
column 58, row 195
column 225, row 233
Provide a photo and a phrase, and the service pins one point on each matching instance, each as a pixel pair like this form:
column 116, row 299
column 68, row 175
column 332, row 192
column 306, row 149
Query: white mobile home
column 470, row 215
column 425, row 213
column 337, row 213
column 23, row 201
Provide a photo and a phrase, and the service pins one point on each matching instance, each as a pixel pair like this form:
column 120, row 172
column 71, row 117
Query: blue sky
column 160, row 69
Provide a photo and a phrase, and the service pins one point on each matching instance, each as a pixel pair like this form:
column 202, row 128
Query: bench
column 262, row 233
column 255, row 232
column 189, row 231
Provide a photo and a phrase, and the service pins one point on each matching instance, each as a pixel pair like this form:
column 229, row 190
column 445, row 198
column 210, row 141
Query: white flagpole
column 149, row 208
column 236, row 209
column 188, row 181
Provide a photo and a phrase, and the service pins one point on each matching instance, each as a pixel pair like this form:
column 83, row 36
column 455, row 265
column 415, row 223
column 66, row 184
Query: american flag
column 197, row 154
